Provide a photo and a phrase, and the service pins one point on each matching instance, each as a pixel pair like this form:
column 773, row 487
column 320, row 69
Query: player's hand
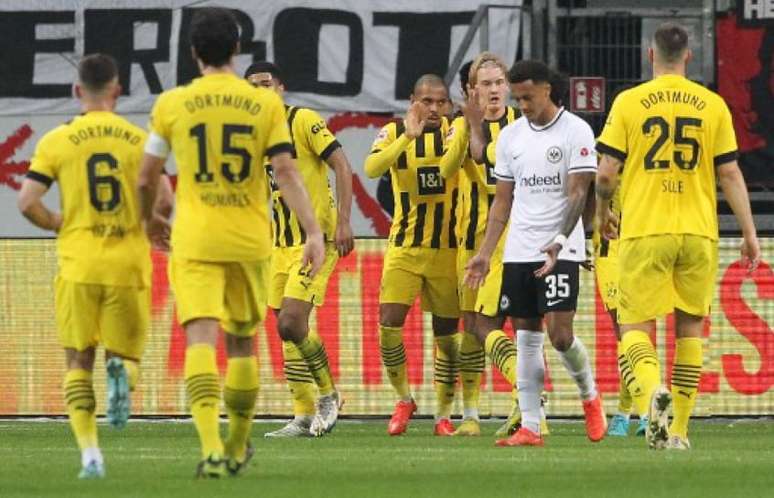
column 345, row 242
column 476, row 271
column 314, row 254
column 158, row 229
column 471, row 108
column 415, row 122
column 552, row 254
column 608, row 223
column 751, row 253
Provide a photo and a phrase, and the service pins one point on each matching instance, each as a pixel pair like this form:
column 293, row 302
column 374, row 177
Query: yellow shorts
column 467, row 295
column 234, row 293
column 488, row 300
column 665, row 272
column 90, row 314
column 606, row 273
column 412, row 271
column 288, row 279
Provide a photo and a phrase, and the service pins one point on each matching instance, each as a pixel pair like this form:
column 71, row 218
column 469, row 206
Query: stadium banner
column 738, row 365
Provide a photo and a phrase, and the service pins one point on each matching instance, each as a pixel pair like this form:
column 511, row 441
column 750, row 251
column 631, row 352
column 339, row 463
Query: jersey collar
column 549, row 124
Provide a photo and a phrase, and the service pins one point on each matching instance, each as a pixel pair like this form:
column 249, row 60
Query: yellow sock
column 625, row 380
column 472, row 362
column 313, row 351
column 685, row 382
column 239, row 393
column 203, row 388
column 645, row 368
column 394, row 359
column 79, row 396
column 300, row 381
column 502, row 351
column 447, row 349
column 132, row 372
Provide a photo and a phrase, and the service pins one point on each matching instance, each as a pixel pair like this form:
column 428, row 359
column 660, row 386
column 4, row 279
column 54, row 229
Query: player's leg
column 303, row 390
column 399, row 288
column 472, row 357
column 77, row 317
column 695, row 272
column 199, row 289
column 619, row 423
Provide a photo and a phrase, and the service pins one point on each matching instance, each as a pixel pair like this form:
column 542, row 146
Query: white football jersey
column 538, row 160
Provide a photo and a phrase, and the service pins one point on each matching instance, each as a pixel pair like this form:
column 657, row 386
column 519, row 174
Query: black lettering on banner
column 111, row 31
column 186, row 66
column 430, row 181
column 297, row 50
column 424, row 44
column 101, row 184
column 17, row 57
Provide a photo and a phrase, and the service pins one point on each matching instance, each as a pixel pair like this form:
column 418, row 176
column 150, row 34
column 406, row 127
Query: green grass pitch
column 729, row 459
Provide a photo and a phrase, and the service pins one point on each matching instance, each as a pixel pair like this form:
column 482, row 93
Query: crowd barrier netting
column 737, row 379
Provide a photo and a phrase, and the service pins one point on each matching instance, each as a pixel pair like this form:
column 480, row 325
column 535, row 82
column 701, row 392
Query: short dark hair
column 214, row 35
column 465, row 77
column 539, row 72
column 670, row 41
column 95, row 71
column 265, row 67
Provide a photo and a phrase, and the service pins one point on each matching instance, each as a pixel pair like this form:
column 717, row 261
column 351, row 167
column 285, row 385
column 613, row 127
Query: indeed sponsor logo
column 539, row 181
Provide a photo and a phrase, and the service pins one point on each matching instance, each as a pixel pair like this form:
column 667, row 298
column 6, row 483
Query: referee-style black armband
column 726, row 158
column 279, row 148
column 611, row 151
column 40, row 177
column 325, row 154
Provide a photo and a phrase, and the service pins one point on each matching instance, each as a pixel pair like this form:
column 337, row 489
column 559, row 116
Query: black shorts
column 523, row 295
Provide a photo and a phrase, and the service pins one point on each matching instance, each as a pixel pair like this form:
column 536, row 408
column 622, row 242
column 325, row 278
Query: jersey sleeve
column 503, row 169
column 319, row 137
column 726, row 149
column 583, row 159
column 455, row 146
column 43, row 165
column 490, row 153
column 157, row 123
column 278, row 135
column 383, row 139
column 612, row 141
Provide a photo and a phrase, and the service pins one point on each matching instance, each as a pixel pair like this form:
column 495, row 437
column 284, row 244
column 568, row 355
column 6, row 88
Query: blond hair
column 485, row 59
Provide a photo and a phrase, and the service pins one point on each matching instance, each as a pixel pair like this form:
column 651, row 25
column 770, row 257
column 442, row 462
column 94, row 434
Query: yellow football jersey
column 670, row 133
column 477, row 184
column 220, row 128
column 95, row 159
column 313, row 143
column 425, row 203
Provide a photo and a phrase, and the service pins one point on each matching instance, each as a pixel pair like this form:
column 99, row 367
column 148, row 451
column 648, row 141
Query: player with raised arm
column 102, row 289
column 420, row 258
column 674, row 141
column 485, row 114
column 220, row 128
column 545, row 163
column 293, row 294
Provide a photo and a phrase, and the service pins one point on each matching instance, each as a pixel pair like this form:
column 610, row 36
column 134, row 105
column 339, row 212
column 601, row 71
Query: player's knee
column 562, row 340
column 290, row 327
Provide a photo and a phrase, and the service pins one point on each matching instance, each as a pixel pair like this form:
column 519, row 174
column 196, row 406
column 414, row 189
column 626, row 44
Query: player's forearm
column 496, row 221
column 452, row 159
column 377, row 163
column 40, row 216
column 148, row 184
column 343, row 171
column 735, row 191
column 477, row 143
column 294, row 193
column 165, row 198
column 607, row 179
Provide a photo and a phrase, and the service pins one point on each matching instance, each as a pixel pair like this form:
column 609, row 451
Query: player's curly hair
column 214, row 35
column 539, row 72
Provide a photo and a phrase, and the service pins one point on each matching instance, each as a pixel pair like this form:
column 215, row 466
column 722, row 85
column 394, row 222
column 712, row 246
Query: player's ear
column 77, row 91
column 688, row 56
column 650, row 55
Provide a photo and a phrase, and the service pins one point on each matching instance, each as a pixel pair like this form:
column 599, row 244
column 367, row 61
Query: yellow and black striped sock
column 313, row 351
column 239, row 394
column 132, row 372
column 447, row 349
column 626, row 379
column 645, row 368
column 394, row 359
column 79, row 397
column 203, row 388
column 300, row 381
column 685, row 382
column 472, row 363
column 502, row 352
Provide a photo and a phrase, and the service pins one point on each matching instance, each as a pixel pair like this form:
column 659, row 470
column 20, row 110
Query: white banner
column 348, row 62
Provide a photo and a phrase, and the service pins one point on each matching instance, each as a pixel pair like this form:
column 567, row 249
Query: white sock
column 530, row 373
column 576, row 361
column 91, row 454
column 305, row 420
column 470, row 413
